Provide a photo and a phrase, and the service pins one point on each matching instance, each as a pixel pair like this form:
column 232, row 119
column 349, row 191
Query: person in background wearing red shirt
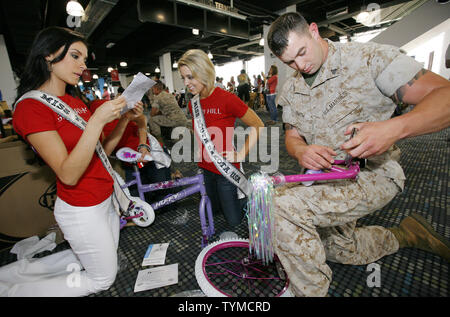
column 221, row 109
column 106, row 95
column 271, row 94
column 135, row 137
column 84, row 209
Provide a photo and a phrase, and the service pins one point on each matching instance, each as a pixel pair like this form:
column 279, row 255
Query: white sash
column 65, row 111
column 228, row 170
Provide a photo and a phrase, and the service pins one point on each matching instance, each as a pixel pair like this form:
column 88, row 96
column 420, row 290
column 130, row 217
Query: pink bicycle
column 249, row 267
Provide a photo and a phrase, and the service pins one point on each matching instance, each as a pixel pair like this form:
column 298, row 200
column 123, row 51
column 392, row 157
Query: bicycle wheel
column 140, row 206
column 226, row 269
column 148, row 214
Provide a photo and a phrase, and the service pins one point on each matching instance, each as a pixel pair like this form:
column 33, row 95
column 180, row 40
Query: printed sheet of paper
column 155, row 254
column 136, row 90
column 156, row 277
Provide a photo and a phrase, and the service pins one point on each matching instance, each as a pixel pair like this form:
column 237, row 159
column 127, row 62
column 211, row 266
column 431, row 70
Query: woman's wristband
column 140, row 146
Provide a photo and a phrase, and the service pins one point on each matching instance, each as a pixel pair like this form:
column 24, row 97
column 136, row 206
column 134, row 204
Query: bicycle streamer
column 121, row 201
column 228, row 170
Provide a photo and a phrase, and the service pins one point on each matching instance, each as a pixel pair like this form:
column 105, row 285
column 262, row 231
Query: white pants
column 88, row 267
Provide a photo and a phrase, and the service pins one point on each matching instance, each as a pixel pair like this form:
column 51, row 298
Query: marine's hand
column 315, row 157
column 372, row 138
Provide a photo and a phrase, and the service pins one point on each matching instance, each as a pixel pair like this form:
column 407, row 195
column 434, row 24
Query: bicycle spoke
column 231, row 270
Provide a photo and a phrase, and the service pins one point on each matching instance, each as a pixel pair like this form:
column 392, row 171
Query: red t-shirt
column 272, row 83
column 95, row 185
column 130, row 137
column 220, row 110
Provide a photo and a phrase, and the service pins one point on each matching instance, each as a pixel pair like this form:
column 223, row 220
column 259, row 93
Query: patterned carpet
column 408, row 273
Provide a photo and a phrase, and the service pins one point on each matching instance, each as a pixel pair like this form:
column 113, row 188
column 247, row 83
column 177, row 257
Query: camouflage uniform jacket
column 168, row 105
column 353, row 85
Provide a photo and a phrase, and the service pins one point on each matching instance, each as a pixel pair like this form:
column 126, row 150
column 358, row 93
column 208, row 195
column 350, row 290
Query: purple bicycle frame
column 197, row 185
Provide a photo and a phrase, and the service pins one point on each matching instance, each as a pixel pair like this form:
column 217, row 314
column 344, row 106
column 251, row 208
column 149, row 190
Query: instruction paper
column 155, row 254
column 156, row 277
column 136, row 90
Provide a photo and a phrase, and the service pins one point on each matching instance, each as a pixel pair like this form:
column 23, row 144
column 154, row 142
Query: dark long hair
column 46, row 42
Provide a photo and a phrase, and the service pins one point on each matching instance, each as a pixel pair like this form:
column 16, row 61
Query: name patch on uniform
column 335, row 102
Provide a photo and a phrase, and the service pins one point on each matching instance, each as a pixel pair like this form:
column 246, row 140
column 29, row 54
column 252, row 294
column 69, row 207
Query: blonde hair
column 201, row 67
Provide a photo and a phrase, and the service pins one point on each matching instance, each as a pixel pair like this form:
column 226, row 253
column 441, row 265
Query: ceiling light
column 110, row 69
column 157, row 70
column 210, row 55
column 195, row 31
column 175, row 65
column 95, row 76
column 370, row 16
column 110, row 44
column 123, row 64
column 261, row 42
column 74, row 8
column 147, row 74
column 362, row 16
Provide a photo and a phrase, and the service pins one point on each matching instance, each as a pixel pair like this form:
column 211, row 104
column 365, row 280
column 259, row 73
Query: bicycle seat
column 129, row 155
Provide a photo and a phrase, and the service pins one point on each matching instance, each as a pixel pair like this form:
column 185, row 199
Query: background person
column 231, row 85
column 271, row 93
column 135, row 137
column 243, row 88
column 165, row 111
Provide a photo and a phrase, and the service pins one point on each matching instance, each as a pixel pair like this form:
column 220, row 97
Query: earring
column 49, row 66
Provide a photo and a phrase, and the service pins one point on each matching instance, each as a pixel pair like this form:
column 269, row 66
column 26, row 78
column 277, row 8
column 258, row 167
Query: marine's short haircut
column 277, row 37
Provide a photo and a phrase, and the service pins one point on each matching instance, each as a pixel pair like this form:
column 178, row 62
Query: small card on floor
column 155, row 254
column 156, row 277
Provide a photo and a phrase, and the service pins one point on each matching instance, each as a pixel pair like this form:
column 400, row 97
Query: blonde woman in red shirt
column 220, row 110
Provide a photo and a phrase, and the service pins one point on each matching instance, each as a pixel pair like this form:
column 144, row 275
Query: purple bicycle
column 196, row 186
column 249, row 267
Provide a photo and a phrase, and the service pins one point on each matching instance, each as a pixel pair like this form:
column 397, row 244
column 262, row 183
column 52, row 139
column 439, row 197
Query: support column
column 165, row 64
column 7, row 83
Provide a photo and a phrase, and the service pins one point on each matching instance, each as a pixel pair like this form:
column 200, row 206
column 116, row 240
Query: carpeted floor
column 409, row 272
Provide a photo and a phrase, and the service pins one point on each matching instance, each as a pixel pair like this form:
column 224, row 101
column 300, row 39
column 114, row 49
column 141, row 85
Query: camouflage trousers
column 155, row 123
column 318, row 223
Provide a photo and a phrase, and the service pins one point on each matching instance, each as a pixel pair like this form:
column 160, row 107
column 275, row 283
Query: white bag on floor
column 27, row 248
